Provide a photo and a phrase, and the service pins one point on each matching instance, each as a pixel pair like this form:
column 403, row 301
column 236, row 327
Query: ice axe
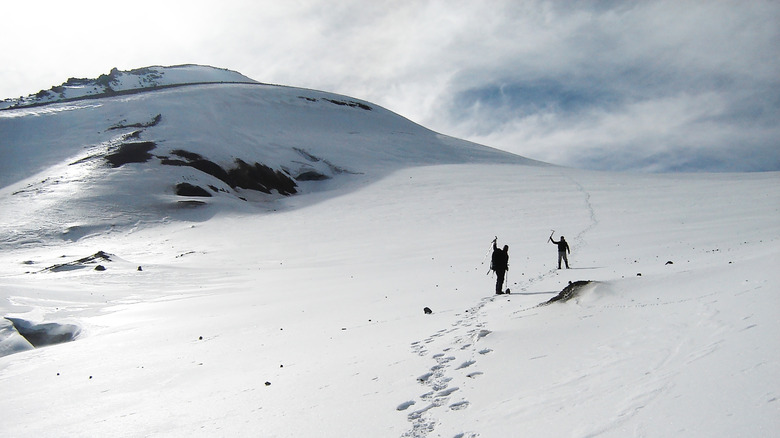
column 551, row 234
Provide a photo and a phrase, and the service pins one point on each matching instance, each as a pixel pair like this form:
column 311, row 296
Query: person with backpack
column 499, row 263
column 563, row 249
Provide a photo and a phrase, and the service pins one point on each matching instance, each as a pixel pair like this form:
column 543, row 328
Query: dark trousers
column 500, row 280
column 562, row 256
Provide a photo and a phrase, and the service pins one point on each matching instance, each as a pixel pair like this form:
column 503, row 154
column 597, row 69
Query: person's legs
column 565, row 259
column 560, row 257
column 499, row 280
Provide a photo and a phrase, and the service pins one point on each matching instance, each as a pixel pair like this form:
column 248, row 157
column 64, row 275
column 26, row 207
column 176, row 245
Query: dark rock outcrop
column 41, row 335
column 570, row 291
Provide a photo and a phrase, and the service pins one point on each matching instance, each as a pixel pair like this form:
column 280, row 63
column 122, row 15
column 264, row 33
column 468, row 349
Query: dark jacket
column 563, row 246
column 500, row 259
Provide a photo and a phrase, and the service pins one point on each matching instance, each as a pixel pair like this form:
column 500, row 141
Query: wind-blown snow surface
column 305, row 318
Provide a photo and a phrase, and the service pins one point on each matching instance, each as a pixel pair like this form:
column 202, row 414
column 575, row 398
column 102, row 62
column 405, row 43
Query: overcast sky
column 619, row 85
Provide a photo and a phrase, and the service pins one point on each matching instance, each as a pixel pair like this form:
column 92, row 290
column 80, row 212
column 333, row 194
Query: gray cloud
column 657, row 86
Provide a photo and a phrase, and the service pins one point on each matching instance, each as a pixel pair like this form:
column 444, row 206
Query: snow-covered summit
column 221, row 141
column 118, row 82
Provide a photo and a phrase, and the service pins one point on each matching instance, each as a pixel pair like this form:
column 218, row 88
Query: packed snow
column 247, row 313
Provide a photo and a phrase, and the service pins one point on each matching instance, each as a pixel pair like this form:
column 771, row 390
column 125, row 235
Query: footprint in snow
column 446, row 392
column 424, row 377
column 438, row 386
column 483, row 333
column 405, row 405
column 466, row 364
column 447, row 359
column 459, row 405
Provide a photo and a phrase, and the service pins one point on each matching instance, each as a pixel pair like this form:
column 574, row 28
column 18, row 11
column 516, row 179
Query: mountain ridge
column 121, row 82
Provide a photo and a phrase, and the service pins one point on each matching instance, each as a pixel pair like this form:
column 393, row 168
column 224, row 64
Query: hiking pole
column 488, row 252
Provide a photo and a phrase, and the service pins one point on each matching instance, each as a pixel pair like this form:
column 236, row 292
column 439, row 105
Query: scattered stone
column 267, row 383
column 100, row 268
column 427, row 310
column 669, row 262
column 139, row 269
column 639, row 274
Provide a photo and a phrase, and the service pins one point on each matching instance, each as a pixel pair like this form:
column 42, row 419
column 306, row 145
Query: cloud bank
column 653, row 85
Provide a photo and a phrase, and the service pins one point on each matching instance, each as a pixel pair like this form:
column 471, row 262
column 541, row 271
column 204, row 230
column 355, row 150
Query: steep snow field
column 303, row 315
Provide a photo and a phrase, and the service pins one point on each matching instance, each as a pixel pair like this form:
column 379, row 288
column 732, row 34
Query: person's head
column 563, row 238
column 506, row 248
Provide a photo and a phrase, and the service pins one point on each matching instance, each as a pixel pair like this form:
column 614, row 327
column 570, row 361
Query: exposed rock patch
column 261, row 178
column 41, row 335
column 570, row 291
column 134, row 152
column 123, row 124
column 311, row 175
column 349, row 103
column 246, row 176
column 81, row 263
column 187, row 189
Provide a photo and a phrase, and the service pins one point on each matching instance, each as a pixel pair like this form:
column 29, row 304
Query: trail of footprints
column 460, row 341
column 440, row 381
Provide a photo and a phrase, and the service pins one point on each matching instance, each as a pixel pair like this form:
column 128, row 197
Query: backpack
column 498, row 260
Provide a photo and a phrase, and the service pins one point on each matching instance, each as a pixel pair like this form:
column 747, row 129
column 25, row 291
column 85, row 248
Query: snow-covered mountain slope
column 305, row 317
column 96, row 164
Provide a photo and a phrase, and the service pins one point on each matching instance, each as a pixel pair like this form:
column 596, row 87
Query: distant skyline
column 610, row 85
